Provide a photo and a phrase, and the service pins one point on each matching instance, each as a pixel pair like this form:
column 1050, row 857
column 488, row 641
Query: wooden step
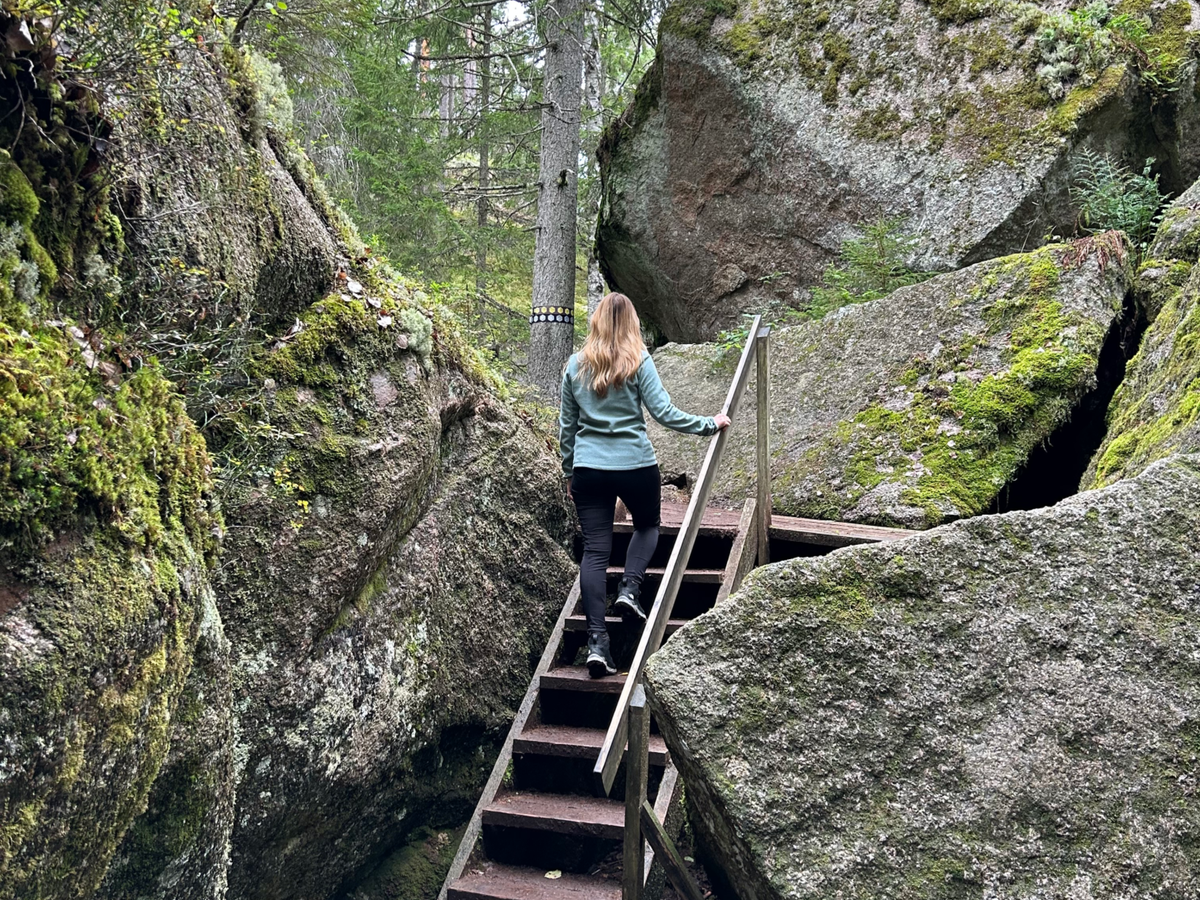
column 561, row 813
column 697, row 576
column 579, row 623
column 576, row 678
column 576, row 743
column 493, row 881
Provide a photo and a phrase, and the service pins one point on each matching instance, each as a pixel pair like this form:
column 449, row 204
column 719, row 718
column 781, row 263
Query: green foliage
column 868, row 268
column 78, row 442
column 1112, row 198
column 1077, row 45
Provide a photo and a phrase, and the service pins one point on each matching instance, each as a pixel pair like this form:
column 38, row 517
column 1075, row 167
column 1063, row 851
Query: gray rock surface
column 1005, row 707
column 1156, row 410
column 382, row 638
column 767, row 133
column 919, row 407
column 269, row 723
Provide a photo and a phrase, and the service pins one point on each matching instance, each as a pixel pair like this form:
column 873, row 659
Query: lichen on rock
column 1005, row 706
column 766, row 134
column 922, row 406
column 1156, row 409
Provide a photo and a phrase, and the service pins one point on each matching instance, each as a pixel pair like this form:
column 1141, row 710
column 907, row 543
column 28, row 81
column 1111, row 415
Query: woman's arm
column 568, row 425
column 658, row 402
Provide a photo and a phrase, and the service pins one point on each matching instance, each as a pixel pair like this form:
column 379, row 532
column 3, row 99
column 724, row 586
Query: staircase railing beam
column 613, row 748
column 762, row 350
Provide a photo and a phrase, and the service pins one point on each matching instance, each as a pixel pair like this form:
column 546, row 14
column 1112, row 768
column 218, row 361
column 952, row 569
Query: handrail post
column 637, row 766
column 763, row 499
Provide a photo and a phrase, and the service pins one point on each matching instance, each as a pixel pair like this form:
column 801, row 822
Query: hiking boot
column 599, row 658
column 627, row 605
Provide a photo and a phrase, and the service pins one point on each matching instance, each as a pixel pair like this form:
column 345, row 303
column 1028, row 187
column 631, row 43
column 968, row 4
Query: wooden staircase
column 543, row 815
column 569, row 814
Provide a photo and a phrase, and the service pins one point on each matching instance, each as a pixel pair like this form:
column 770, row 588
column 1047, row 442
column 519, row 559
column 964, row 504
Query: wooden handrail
column 613, row 748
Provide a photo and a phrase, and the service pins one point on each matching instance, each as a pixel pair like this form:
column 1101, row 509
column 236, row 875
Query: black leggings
column 596, row 492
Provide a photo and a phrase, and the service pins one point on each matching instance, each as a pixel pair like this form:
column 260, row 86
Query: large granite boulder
column 1156, row 410
column 272, row 716
column 390, row 574
column 767, row 133
column 923, row 406
column 107, row 541
column 1004, row 707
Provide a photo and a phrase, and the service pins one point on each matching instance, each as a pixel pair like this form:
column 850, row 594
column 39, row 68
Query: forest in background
column 424, row 118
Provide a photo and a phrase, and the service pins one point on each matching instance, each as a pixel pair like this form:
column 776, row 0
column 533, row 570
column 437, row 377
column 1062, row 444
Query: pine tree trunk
column 481, row 205
column 593, row 90
column 552, row 324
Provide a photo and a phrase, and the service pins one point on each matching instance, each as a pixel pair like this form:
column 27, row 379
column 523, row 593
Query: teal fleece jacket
column 610, row 432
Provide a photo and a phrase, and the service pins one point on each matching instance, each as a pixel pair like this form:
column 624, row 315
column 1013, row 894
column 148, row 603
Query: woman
column 606, row 454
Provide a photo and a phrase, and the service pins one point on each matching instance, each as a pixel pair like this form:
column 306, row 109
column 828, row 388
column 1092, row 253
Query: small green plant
column 1075, row 46
column 868, row 268
column 1111, row 197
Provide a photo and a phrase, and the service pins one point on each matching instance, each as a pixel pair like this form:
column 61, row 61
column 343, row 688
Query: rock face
column 923, row 406
column 1156, row 410
column 767, row 133
column 255, row 661
column 1003, row 707
column 384, row 598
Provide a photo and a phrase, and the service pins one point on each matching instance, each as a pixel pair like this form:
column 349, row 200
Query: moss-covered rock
column 394, row 559
column 923, row 406
column 767, row 133
column 107, row 543
column 1156, row 410
column 1003, row 707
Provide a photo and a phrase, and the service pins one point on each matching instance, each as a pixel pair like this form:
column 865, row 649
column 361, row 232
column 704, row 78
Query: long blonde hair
column 613, row 349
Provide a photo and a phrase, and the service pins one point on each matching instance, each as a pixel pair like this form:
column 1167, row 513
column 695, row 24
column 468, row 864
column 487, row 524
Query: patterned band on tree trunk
column 552, row 314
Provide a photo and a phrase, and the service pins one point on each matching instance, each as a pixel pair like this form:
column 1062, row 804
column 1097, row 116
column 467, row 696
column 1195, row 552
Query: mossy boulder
column 107, row 539
column 925, row 405
column 1006, row 706
column 767, row 133
column 1156, row 410
column 395, row 558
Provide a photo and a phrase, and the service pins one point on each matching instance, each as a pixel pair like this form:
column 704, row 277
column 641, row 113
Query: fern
column 1111, row 197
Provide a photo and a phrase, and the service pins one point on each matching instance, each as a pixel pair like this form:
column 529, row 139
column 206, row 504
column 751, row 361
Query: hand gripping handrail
column 613, row 748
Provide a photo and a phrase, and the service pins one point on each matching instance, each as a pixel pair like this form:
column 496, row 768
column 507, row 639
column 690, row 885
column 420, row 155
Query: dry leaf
column 374, row 302
column 72, row 437
column 385, row 321
column 354, row 286
column 554, row 873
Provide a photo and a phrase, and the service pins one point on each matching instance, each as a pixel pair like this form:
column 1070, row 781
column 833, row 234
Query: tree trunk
column 593, row 123
column 481, row 205
column 552, row 322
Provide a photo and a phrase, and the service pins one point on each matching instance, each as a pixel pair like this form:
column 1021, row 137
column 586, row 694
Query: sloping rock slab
column 767, row 133
column 920, row 407
column 1156, row 410
column 1004, row 707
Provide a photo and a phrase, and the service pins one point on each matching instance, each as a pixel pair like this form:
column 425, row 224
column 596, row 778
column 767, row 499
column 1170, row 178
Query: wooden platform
column 724, row 523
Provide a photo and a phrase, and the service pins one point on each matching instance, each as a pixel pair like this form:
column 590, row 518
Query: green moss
column 837, row 53
column 1064, row 119
column 73, row 446
column 1159, row 401
column 416, row 871
column 745, row 39
column 883, row 123
column 960, row 439
column 18, row 202
column 694, row 18
column 959, row 12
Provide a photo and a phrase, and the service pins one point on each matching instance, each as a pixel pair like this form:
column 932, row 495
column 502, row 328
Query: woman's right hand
column 723, row 421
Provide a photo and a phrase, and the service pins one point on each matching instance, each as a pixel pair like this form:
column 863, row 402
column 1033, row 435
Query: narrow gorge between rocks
column 284, row 543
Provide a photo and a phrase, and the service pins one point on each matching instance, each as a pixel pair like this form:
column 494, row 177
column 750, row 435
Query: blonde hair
column 613, row 349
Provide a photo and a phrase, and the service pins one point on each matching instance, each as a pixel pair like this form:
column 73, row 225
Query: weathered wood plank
column 499, row 882
column 561, row 813
column 633, row 858
column 668, row 856
column 832, row 534
column 763, row 444
column 576, row 743
column 741, row 555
